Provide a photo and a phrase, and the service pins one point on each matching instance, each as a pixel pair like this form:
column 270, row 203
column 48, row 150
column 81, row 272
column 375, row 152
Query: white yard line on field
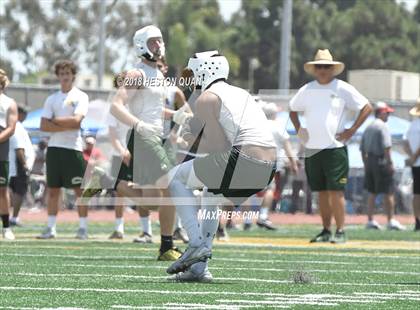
column 104, row 257
column 98, row 275
column 298, row 268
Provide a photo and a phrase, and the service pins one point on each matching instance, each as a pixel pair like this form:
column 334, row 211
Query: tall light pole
column 253, row 64
column 285, row 47
column 101, row 45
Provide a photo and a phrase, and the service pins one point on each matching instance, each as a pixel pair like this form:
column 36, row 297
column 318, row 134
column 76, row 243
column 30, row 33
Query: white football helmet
column 140, row 42
column 208, row 67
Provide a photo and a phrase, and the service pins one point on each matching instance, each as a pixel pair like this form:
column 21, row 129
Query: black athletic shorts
column 416, row 180
column 233, row 174
column 19, row 184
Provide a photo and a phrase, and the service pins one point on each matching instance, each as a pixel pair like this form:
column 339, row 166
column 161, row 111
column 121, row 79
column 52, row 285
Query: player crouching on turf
column 241, row 160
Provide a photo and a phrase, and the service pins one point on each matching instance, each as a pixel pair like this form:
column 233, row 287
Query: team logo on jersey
column 72, row 103
column 76, row 180
column 3, row 180
column 343, row 181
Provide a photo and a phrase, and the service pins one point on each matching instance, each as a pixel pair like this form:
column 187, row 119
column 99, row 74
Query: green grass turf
column 100, row 274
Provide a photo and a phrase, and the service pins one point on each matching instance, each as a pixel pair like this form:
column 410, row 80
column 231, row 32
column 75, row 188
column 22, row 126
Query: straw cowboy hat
column 323, row 57
column 415, row 111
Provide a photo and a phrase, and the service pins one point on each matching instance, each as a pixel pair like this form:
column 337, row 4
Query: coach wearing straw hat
column 325, row 103
column 412, row 147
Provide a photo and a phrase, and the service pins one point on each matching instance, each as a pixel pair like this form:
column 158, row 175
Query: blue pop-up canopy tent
column 33, row 123
column 397, row 126
column 94, row 121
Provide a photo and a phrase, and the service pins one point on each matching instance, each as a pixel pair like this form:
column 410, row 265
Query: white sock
column 178, row 223
column 263, row 213
column 52, row 222
column 119, row 224
column 146, row 225
column 83, row 222
column 209, row 226
column 14, row 219
column 187, row 212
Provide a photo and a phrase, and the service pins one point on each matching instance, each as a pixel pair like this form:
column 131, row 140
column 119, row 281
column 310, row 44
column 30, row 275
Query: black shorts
column 378, row 178
column 19, row 185
column 416, row 180
column 233, row 174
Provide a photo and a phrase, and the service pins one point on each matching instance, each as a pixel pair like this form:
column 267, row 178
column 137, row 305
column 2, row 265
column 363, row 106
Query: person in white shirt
column 412, row 147
column 143, row 91
column 21, row 160
column 62, row 116
column 325, row 103
column 8, row 119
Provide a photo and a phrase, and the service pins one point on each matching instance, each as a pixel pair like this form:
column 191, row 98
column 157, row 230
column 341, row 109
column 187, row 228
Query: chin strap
column 149, row 58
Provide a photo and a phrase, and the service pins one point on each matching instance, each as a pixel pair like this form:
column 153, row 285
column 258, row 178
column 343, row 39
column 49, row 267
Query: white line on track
column 98, row 275
column 227, row 268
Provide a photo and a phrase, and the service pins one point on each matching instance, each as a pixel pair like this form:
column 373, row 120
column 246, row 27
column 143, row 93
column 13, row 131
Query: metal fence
column 34, row 96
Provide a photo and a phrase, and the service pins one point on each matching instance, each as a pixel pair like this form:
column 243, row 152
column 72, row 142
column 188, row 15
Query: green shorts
column 4, row 173
column 149, row 160
column 233, row 174
column 327, row 169
column 65, row 167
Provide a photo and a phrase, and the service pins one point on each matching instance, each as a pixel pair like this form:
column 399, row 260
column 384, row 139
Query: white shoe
column 373, row 225
column 395, row 225
column 191, row 256
column 82, row 234
column 8, row 234
column 48, row 233
column 198, row 272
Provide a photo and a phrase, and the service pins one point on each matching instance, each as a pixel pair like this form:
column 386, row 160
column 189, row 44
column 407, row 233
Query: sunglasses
column 323, row 66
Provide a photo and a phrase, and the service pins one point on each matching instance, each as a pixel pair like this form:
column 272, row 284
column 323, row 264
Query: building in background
column 386, row 84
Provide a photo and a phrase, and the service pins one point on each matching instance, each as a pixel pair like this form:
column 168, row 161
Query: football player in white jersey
column 145, row 92
column 8, row 119
column 241, row 160
column 62, row 116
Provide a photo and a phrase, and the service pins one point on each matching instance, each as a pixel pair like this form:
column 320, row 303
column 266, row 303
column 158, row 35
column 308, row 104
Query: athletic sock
column 209, row 225
column 417, row 223
column 326, row 231
column 263, row 214
column 146, row 225
column 5, row 220
column 83, row 222
column 178, row 223
column 187, row 211
column 119, row 224
column 166, row 243
column 52, row 222
column 14, row 219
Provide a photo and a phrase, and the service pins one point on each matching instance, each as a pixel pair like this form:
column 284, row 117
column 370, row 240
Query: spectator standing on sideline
column 379, row 170
column 8, row 118
column 21, row 160
column 325, row 103
column 412, row 147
